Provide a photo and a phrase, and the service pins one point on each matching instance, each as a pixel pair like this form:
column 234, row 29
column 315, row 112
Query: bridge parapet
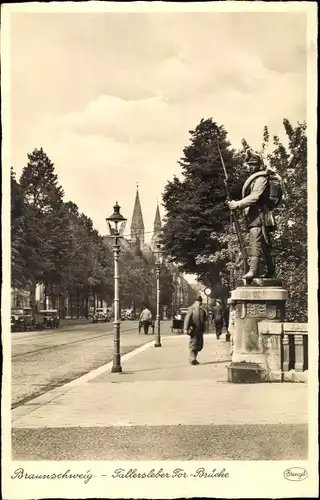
column 285, row 347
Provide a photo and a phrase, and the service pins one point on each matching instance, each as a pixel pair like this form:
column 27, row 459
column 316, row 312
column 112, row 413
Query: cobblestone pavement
column 214, row 442
column 51, row 358
column 158, row 396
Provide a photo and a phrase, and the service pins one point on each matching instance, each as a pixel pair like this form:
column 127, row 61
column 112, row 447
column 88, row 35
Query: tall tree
column 46, row 234
column 19, row 270
column 39, row 183
column 88, row 272
column 291, row 236
column 197, row 214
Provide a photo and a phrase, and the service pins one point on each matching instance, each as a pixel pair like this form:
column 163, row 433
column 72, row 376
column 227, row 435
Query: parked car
column 48, row 318
column 101, row 314
column 127, row 314
column 21, row 319
column 178, row 320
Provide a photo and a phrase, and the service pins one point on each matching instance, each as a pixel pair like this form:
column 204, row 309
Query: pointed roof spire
column 157, row 219
column 137, row 219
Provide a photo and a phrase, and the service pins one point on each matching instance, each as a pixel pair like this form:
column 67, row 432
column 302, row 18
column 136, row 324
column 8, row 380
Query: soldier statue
column 261, row 193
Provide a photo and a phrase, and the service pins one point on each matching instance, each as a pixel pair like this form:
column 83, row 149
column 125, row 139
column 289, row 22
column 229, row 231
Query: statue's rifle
column 233, row 212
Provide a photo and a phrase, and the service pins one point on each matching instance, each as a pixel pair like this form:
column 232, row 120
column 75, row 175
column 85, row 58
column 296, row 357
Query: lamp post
column 158, row 254
column 207, row 293
column 114, row 220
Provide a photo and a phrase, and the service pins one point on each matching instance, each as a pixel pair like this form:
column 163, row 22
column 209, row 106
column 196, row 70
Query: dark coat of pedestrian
column 217, row 317
column 195, row 325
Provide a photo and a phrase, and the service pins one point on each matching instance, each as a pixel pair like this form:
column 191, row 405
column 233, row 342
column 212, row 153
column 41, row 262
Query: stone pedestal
column 255, row 302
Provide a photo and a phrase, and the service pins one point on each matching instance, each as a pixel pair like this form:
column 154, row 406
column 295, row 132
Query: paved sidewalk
column 157, row 390
column 159, row 387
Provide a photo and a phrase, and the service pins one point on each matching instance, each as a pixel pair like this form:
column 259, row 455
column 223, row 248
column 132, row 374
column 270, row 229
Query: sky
column 111, row 97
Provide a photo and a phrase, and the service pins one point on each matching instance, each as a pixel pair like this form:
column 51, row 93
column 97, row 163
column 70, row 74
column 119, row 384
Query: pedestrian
column 194, row 325
column 146, row 319
column 217, row 317
column 226, row 319
column 231, row 327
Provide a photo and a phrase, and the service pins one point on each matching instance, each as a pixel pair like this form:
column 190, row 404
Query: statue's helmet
column 253, row 158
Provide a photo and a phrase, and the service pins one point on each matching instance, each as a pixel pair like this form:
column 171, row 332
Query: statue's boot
column 253, row 270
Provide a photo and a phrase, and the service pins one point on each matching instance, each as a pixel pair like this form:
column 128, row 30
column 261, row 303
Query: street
column 41, row 361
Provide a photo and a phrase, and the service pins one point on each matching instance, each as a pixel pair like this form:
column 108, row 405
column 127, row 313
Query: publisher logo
column 295, row 474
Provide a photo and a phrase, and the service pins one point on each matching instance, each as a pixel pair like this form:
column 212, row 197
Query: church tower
column 156, row 229
column 137, row 226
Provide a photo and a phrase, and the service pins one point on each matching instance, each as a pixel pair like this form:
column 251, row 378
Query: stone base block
column 293, row 376
column 274, row 376
column 241, row 373
column 259, row 282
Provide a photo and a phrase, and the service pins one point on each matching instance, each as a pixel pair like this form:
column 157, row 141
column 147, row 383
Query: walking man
column 217, row 317
column 194, row 325
column 146, row 319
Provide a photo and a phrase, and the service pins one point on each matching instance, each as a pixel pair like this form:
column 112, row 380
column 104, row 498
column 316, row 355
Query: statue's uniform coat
column 194, row 324
column 260, row 220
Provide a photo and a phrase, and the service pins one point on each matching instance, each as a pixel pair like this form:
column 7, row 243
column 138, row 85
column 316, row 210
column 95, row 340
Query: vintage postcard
column 159, row 236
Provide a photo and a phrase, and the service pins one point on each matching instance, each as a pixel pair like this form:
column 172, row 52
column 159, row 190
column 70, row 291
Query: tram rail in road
column 63, row 344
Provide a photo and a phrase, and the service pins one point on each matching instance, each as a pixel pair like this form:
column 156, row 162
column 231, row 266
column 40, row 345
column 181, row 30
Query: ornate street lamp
column 159, row 259
column 114, row 220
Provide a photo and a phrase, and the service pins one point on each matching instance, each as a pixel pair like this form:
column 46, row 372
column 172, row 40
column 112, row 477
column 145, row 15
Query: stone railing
column 285, row 346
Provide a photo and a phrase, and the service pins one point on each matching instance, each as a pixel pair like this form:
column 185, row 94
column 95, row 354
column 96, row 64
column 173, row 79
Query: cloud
column 111, row 97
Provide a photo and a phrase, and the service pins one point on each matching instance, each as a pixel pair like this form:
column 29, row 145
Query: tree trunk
column 70, row 305
column 87, row 307
column 78, row 304
column 46, row 295
column 33, row 299
column 62, row 305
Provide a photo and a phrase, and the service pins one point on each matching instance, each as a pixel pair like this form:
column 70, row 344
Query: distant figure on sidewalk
column 217, row 317
column 231, row 326
column 146, row 319
column 226, row 319
column 195, row 325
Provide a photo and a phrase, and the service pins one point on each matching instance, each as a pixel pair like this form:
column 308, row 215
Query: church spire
column 137, row 225
column 156, row 229
column 157, row 220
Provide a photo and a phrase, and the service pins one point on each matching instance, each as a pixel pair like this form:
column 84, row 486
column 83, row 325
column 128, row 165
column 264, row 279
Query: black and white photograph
column 159, row 250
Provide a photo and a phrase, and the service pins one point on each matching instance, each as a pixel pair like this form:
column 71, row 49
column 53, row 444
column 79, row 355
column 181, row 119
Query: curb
column 102, row 369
